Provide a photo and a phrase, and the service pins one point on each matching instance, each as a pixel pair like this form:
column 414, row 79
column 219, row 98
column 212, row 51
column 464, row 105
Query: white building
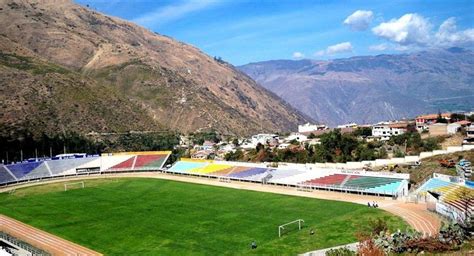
column 297, row 136
column 264, row 138
column 311, row 127
column 453, row 128
column 470, row 131
column 351, row 125
column 384, row 132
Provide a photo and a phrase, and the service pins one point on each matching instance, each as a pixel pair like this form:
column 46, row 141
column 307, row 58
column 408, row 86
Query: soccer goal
column 74, row 185
column 287, row 226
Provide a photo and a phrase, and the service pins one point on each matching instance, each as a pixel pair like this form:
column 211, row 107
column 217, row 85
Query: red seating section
column 143, row 160
column 127, row 164
column 334, row 179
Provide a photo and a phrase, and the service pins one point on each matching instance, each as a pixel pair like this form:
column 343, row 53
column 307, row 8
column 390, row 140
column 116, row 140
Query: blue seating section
column 186, row 166
column 22, row 169
column 433, row 184
column 248, row 173
column 390, row 188
column 5, row 177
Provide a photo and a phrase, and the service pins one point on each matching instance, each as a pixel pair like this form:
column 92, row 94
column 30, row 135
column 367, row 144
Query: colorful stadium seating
column 79, row 164
column 334, row 179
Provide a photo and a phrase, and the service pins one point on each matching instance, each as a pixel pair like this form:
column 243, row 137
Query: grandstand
column 81, row 164
column 452, row 199
column 298, row 176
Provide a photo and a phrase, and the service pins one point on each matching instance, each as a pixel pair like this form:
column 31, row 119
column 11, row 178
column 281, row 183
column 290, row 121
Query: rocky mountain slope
column 372, row 88
column 66, row 67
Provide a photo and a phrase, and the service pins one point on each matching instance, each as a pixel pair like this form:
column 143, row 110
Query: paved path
column 414, row 214
column 40, row 239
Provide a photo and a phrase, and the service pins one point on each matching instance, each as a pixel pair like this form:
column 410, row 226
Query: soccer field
column 138, row 216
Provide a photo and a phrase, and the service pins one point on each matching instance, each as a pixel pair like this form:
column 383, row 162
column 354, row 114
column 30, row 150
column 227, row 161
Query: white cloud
column 378, row 47
column 339, row 48
column 410, row 29
column 173, row 12
column 448, row 35
column 298, row 55
column 335, row 49
column 359, row 20
column 412, row 32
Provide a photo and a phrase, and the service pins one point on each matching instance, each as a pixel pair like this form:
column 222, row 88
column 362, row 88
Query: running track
column 414, row 214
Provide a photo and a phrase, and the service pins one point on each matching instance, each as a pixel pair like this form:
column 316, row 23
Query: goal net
column 74, row 185
column 290, row 226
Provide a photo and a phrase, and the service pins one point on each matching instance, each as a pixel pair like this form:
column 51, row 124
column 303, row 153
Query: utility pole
column 36, row 154
column 50, row 152
column 21, row 155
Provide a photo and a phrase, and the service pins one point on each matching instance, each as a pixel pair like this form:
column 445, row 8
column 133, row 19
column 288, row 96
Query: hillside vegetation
column 68, row 68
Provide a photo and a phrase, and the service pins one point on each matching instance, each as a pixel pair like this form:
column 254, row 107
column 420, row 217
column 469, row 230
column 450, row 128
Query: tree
column 235, row 142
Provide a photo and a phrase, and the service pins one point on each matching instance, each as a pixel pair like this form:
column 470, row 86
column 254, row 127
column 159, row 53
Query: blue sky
column 244, row 31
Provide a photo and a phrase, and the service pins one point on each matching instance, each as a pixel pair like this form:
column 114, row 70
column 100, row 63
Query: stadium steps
column 185, row 167
column 228, row 171
column 334, row 179
column 248, row 173
column 67, row 166
column 125, row 165
column 21, row 169
column 41, row 171
column 5, row 176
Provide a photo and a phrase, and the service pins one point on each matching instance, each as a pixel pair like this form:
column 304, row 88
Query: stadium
column 140, row 202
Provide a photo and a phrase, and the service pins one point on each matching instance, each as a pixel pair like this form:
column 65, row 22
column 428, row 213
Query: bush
column 343, row 251
column 369, row 248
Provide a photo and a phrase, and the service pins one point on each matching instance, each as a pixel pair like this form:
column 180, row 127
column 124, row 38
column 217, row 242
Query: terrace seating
column 248, row 173
column 284, row 174
column 22, row 169
column 5, row 177
column 184, row 167
column 125, row 165
column 302, row 178
column 67, row 166
column 458, row 197
column 334, row 179
column 233, row 169
column 366, row 182
column 149, row 161
column 210, row 168
column 433, row 185
column 390, row 188
column 39, row 172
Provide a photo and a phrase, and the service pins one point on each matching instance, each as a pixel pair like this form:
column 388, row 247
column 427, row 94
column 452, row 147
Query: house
column 422, row 122
column 438, row 129
column 453, row 128
column 284, row 145
column 311, row 127
column 351, row 125
column 384, row 131
column 207, row 145
column 264, row 139
column 470, row 131
column 296, row 136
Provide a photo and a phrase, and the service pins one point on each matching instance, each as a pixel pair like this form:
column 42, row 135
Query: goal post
column 71, row 185
column 282, row 227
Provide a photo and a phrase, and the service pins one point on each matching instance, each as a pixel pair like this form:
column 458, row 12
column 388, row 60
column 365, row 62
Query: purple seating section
column 22, row 169
column 248, row 173
column 67, row 166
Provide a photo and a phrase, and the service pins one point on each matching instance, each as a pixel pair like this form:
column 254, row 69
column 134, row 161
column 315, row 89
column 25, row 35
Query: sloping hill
column 127, row 77
column 369, row 89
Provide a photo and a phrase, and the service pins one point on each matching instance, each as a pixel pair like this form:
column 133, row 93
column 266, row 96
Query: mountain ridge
column 169, row 84
column 368, row 89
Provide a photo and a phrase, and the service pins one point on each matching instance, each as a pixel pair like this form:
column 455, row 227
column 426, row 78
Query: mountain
column 369, row 89
column 65, row 67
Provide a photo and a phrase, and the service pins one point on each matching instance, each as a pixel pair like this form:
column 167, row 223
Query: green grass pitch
column 138, row 216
